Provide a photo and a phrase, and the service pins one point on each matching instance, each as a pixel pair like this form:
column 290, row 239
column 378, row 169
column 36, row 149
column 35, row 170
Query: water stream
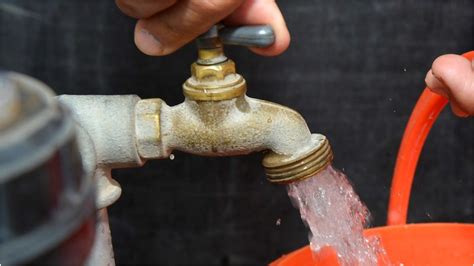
column 336, row 217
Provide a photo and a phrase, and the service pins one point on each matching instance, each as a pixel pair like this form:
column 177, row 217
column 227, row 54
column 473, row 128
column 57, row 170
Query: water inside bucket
column 336, row 217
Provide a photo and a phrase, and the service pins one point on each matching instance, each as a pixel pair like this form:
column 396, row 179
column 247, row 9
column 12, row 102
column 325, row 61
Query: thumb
column 457, row 74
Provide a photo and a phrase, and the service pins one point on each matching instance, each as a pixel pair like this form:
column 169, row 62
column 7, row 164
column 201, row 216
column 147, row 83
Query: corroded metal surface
column 107, row 129
column 237, row 126
column 102, row 253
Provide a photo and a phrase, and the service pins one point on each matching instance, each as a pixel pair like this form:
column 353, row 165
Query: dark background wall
column 354, row 71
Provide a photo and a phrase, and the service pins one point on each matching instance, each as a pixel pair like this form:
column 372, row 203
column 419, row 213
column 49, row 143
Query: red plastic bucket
column 412, row 244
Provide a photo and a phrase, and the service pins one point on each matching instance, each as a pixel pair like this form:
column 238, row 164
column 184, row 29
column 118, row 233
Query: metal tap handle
column 210, row 44
column 251, row 36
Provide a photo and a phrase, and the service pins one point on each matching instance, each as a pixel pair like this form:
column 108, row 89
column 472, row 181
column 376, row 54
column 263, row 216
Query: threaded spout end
column 285, row 169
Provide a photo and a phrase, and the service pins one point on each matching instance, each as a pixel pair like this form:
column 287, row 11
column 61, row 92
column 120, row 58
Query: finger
column 435, row 85
column 457, row 73
column 169, row 30
column 143, row 8
column 253, row 12
column 458, row 111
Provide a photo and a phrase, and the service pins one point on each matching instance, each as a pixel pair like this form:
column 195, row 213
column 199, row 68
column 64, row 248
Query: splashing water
column 336, row 217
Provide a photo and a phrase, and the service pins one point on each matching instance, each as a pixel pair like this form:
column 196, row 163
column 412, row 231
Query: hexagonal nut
column 147, row 128
column 213, row 72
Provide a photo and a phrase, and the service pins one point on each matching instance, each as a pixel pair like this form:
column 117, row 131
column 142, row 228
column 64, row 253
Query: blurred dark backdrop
column 354, row 71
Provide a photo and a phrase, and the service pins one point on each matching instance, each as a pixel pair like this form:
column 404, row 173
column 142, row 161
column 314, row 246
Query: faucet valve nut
column 147, row 127
column 212, row 72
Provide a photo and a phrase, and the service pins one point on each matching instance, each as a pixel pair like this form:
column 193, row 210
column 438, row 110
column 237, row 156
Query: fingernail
column 148, row 43
column 150, row 38
column 435, row 85
column 458, row 111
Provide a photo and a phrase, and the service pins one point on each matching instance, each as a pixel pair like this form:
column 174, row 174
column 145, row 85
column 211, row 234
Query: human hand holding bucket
column 452, row 76
column 425, row 113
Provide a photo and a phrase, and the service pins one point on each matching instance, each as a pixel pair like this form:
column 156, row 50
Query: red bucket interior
column 413, row 244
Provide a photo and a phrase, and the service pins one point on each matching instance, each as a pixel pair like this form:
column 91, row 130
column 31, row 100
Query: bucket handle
column 422, row 118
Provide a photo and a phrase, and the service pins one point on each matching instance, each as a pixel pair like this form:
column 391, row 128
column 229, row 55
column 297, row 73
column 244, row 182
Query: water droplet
column 429, row 215
column 278, row 222
column 171, row 156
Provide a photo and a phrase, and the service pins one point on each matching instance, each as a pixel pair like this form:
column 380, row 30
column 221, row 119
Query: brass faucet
column 218, row 119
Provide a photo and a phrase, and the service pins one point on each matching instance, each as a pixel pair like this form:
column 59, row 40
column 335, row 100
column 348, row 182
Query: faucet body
column 232, row 127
